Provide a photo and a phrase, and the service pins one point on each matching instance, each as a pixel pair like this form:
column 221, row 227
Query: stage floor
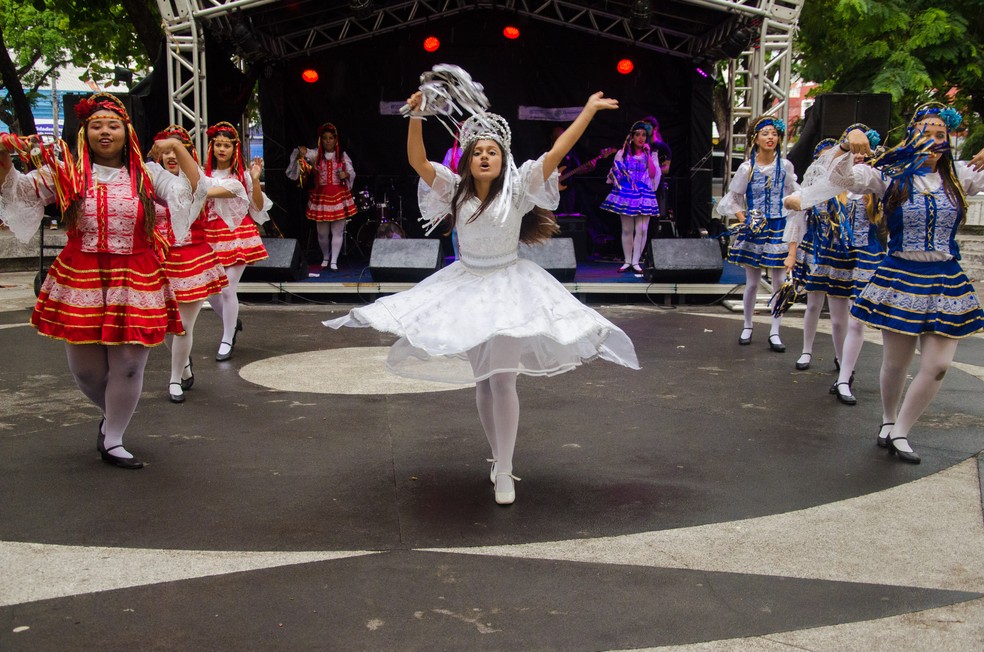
column 302, row 498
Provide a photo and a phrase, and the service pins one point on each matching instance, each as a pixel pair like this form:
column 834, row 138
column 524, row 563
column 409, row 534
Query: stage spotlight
column 511, row 32
column 625, row 66
column 431, row 44
column 310, row 75
column 640, row 16
column 361, row 8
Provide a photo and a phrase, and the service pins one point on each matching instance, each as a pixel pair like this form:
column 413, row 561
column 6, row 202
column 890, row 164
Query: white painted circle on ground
column 354, row 370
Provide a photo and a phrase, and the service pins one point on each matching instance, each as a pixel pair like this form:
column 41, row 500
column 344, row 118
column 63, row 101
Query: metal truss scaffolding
column 758, row 78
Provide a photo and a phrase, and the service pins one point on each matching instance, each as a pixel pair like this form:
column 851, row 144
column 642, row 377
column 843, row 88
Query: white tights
column 225, row 304
column 853, row 342
column 112, row 378
column 753, row 276
column 634, row 232
column 181, row 344
column 498, row 404
column 331, row 235
column 935, row 356
column 839, row 310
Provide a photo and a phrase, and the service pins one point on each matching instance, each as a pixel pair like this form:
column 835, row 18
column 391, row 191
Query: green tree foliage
column 36, row 36
column 915, row 50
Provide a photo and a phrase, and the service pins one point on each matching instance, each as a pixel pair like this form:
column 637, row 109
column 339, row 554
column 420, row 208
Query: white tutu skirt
column 462, row 325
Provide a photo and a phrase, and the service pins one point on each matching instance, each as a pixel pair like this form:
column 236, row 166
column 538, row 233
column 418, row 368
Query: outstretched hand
column 164, row 146
column 256, row 168
column 977, row 163
column 598, row 102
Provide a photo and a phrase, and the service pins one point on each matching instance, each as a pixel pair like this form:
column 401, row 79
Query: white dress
column 490, row 311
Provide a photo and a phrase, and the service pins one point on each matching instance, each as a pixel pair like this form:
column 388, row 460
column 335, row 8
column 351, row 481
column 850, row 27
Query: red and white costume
column 230, row 227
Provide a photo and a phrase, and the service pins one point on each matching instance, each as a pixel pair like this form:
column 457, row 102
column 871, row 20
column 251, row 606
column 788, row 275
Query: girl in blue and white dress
column 754, row 198
column 919, row 293
column 635, row 177
column 491, row 315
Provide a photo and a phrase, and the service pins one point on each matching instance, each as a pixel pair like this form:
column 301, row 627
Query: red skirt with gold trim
column 102, row 298
column 240, row 247
column 194, row 272
column 330, row 204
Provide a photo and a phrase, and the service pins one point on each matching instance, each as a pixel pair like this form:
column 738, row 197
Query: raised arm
column 185, row 160
column 563, row 144
column 416, row 152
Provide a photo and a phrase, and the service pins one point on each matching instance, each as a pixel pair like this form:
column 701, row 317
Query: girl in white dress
column 491, row 315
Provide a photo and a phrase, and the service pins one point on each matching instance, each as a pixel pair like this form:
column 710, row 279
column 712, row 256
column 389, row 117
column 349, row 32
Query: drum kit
column 375, row 220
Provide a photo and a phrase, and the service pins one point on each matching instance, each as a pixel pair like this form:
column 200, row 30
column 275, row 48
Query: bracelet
column 844, row 149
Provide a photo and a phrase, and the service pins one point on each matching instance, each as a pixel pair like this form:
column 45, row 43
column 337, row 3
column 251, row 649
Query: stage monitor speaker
column 556, row 255
column 573, row 226
column 404, row 260
column 838, row 111
column 685, row 260
column 286, row 262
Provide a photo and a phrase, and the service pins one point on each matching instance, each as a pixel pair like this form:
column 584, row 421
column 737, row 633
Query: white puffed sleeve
column 435, row 199
column 259, row 214
column 347, row 165
column 230, row 210
column 22, row 201
column 973, row 182
column 533, row 190
column 293, row 169
column 795, row 226
column 734, row 200
column 175, row 191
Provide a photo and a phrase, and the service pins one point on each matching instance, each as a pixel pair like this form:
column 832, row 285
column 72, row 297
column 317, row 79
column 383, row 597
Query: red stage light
column 511, row 32
column 625, row 66
column 431, row 43
column 310, row 76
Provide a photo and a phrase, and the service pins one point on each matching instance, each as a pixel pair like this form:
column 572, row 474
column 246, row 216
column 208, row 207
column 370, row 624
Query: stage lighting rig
column 640, row 15
column 362, row 9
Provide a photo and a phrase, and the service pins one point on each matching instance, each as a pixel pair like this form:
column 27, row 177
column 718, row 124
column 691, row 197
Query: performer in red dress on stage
column 106, row 295
column 236, row 205
column 329, row 176
column 193, row 270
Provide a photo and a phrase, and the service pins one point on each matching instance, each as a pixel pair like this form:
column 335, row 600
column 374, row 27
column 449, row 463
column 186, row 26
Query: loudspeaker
column 685, row 260
column 556, row 256
column 285, row 263
column 840, row 110
column 404, row 260
column 573, row 226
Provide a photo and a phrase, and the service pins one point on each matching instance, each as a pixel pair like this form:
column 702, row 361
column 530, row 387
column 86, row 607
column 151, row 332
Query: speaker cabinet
column 573, row 226
column 556, row 256
column 685, row 260
column 838, row 111
column 286, row 262
column 404, row 260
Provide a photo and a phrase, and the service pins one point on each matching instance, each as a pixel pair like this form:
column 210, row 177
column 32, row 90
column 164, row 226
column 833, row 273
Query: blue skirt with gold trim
column 912, row 297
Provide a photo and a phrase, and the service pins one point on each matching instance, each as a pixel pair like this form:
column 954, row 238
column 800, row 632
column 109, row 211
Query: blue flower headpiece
column 769, row 121
column 950, row 117
column 642, row 124
column 822, row 145
column 873, row 138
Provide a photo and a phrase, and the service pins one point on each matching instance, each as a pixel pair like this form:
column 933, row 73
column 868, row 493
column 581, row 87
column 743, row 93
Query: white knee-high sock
column 935, row 356
column 839, row 310
column 753, row 277
column 181, row 344
column 814, row 306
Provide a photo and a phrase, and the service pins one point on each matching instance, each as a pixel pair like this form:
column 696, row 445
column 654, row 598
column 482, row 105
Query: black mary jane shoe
column 222, row 357
column 776, row 345
column 883, row 441
column 906, row 456
column 850, row 383
column 175, row 398
column 844, row 395
column 121, row 462
column 187, row 383
column 745, row 340
column 803, row 366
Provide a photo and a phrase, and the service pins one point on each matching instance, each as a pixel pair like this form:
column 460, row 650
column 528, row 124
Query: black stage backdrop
column 549, row 66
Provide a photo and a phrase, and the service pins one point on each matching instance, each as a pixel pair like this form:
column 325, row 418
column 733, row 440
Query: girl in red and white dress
column 330, row 176
column 106, row 295
column 235, row 198
column 193, row 270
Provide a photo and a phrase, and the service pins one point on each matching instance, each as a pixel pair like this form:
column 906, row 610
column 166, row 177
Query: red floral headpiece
column 180, row 133
column 222, row 129
column 100, row 102
column 327, row 127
